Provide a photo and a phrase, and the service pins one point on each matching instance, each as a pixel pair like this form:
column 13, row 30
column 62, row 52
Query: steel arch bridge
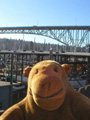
column 76, row 36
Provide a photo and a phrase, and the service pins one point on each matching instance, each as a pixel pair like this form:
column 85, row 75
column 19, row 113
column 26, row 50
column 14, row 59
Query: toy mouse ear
column 67, row 68
column 27, row 70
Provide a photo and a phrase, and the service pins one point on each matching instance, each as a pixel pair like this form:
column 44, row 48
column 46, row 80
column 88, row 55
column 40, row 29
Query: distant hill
column 13, row 44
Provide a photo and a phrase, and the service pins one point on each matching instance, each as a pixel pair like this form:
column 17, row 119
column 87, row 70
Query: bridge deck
column 46, row 28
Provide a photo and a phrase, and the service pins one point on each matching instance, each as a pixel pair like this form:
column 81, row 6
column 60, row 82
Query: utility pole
column 23, row 43
column 34, row 44
column 44, row 44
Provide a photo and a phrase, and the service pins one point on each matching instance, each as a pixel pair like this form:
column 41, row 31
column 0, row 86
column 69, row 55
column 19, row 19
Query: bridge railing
column 12, row 64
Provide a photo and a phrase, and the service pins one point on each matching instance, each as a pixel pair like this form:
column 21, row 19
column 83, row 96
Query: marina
column 12, row 64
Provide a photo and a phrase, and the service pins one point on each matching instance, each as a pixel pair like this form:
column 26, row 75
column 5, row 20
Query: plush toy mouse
column 50, row 96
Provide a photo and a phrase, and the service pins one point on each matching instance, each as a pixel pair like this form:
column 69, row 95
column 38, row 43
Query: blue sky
column 44, row 12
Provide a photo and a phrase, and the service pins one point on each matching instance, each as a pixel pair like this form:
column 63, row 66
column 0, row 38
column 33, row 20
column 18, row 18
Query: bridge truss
column 75, row 36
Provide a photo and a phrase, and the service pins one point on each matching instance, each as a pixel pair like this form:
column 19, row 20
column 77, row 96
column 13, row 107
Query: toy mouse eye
column 55, row 70
column 36, row 71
